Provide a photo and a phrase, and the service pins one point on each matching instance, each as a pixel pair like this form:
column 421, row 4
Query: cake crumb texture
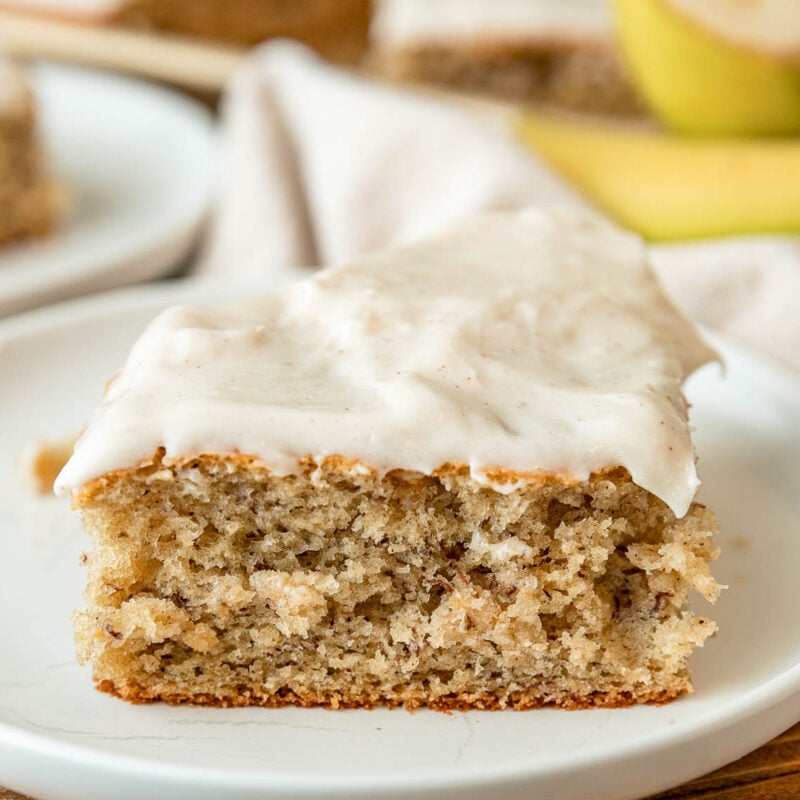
column 214, row 582
column 337, row 29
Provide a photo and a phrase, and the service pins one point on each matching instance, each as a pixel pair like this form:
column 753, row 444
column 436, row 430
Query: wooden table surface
column 770, row 773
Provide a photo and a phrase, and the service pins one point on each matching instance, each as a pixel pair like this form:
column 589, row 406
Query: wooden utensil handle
column 195, row 65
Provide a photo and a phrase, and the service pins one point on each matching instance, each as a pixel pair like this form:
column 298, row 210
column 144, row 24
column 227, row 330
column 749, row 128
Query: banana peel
column 672, row 188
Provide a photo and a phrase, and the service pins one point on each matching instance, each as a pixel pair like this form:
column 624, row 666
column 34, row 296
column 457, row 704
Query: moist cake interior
column 221, row 584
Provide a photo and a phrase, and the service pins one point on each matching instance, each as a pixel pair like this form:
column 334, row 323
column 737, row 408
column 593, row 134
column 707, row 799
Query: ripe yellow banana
column 697, row 80
column 669, row 187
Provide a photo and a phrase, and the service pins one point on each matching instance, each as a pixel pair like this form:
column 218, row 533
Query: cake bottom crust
column 516, row 701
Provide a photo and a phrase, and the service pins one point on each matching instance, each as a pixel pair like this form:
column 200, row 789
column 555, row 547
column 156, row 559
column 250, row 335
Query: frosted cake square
column 456, row 475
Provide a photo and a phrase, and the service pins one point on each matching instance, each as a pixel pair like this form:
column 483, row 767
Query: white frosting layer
column 535, row 341
column 403, row 22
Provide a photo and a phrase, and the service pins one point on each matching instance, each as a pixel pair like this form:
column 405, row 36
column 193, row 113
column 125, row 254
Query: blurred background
column 146, row 138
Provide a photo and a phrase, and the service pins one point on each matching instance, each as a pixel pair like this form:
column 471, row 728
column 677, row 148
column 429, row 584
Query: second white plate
column 61, row 740
column 135, row 163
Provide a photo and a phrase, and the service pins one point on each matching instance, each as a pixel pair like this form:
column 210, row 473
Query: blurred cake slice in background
column 458, row 474
column 337, row 29
column 27, row 195
column 554, row 51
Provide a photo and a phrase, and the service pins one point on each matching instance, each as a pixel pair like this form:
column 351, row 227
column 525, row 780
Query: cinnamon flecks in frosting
column 530, row 342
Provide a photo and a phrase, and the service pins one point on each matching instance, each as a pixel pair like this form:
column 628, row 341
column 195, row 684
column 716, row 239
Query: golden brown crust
column 337, row 463
column 516, row 701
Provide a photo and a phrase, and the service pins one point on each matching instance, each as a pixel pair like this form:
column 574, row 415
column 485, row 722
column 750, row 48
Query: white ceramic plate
column 61, row 740
column 135, row 164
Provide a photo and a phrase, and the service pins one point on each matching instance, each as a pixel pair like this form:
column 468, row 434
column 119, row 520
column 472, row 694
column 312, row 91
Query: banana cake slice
column 456, row 475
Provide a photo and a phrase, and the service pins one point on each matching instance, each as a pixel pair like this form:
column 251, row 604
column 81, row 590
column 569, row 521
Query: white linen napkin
column 320, row 166
column 747, row 287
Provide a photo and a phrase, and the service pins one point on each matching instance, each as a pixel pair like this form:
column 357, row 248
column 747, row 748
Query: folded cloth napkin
column 747, row 287
column 320, row 166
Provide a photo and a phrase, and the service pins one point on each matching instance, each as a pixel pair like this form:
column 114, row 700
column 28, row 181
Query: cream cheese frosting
column 534, row 342
column 410, row 22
